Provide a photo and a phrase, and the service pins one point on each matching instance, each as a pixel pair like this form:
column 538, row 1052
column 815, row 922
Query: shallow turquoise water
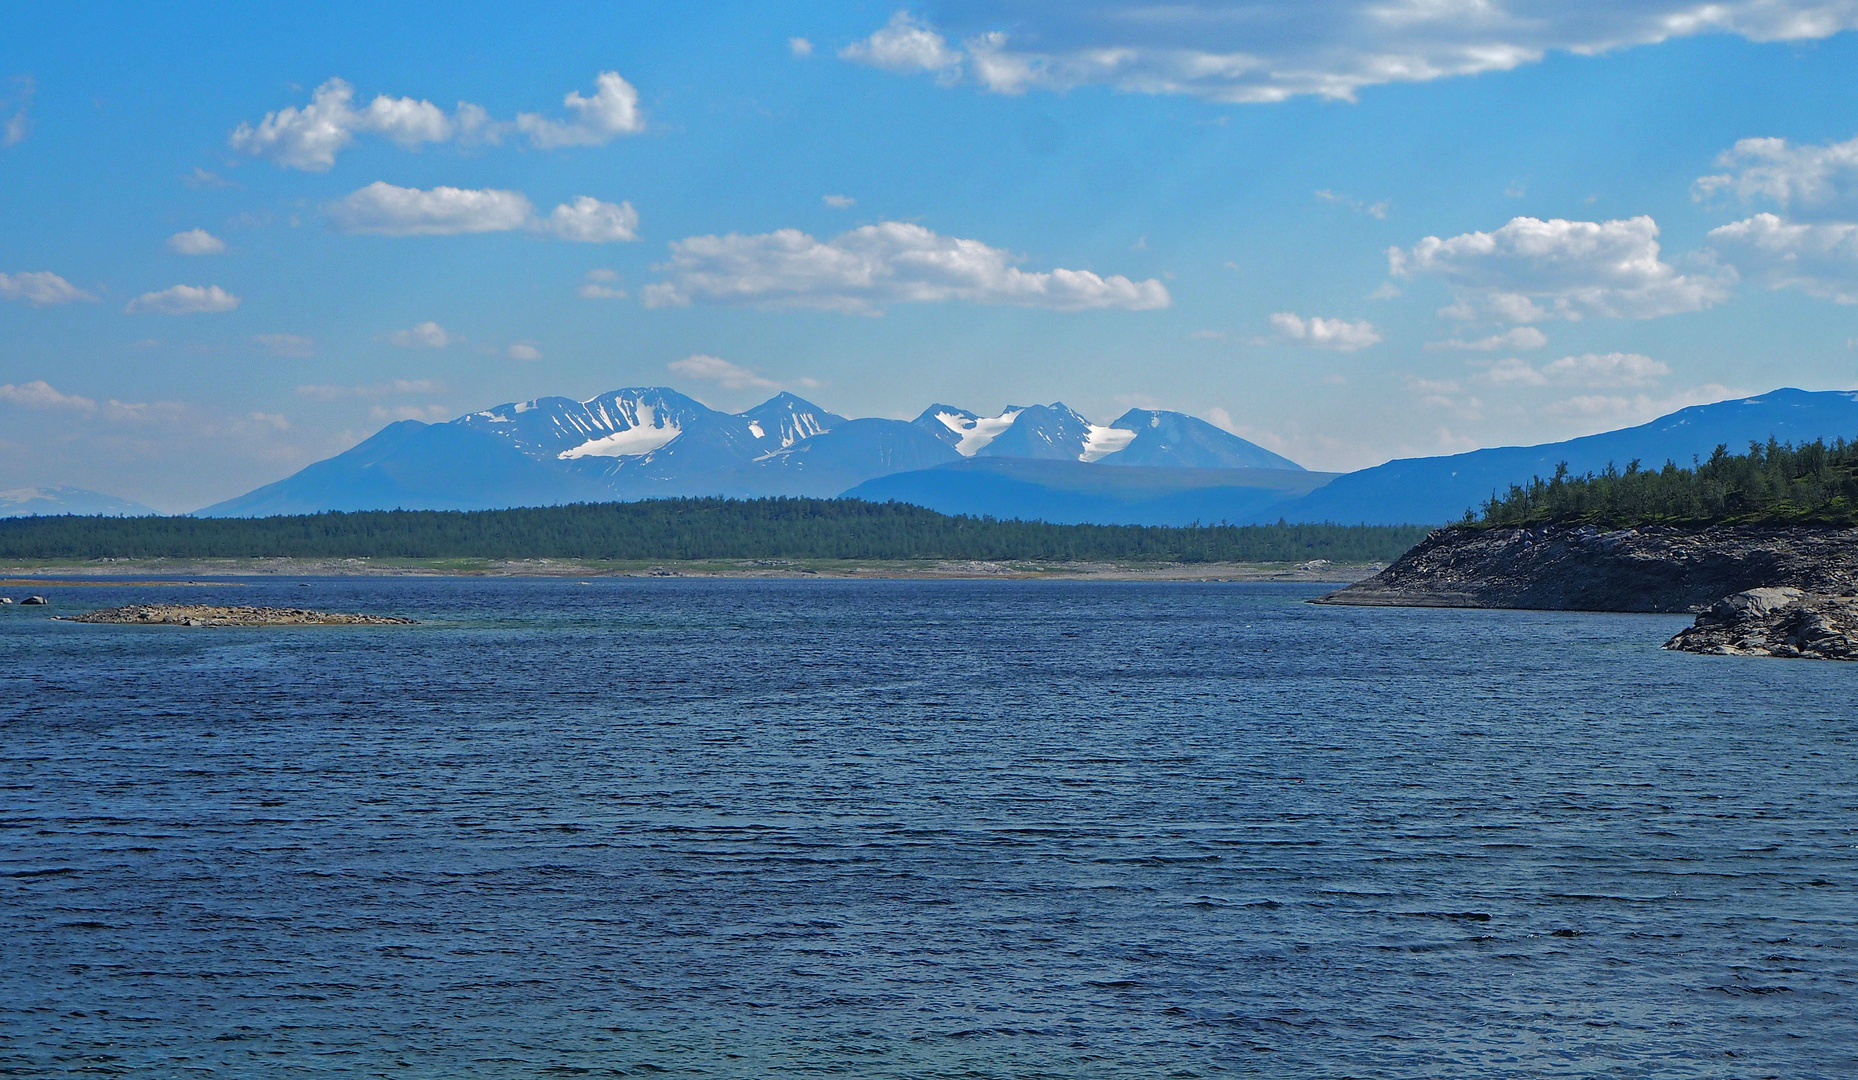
column 923, row 829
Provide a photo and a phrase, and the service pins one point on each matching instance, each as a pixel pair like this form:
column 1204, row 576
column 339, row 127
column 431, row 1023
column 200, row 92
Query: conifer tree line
column 688, row 529
column 1779, row 483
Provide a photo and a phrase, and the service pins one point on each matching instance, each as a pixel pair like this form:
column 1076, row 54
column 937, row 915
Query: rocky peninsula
column 1586, row 568
column 214, row 615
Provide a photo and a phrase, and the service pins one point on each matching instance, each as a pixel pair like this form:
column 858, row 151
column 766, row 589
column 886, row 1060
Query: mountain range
column 645, row 442
column 1036, row 461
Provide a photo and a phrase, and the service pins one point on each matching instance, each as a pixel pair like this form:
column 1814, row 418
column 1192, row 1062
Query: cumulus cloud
column 40, row 288
column 183, row 300
column 293, row 346
column 309, row 137
column 591, row 221
column 1606, row 411
column 1820, row 258
column 39, row 395
column 800, row 47
column 1586, row 370
column 838, row 202
column 523, row 350
column 862, row 270
column 383, row 209
column 1530, row 270
column 1271, row 50
column 196, row 242
column 612, row 111
column 1373, row 209
column 1320, row 333
column 386, row 210
column 721, row 372
column 1522, row 337
column 599, row 285
column 904, row 44
column 427, row 335
column 1813, row 183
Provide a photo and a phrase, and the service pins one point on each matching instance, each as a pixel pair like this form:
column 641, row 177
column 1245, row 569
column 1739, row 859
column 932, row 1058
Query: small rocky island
column 214, row 615
column 1775, row 622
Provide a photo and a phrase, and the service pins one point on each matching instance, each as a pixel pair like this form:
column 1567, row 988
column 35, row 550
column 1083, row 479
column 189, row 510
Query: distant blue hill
column 1438, row 490
column 24, row 502
column 1073, row 492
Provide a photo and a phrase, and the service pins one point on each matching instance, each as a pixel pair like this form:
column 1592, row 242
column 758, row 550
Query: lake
column 774, row 828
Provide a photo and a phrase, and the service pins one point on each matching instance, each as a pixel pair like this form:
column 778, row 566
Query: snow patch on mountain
column 1104, row 441
column 973, row 433
column 642, row 438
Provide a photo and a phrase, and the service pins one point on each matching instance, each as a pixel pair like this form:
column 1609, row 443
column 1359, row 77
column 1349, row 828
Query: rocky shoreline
column 1584, row 568
column 214, row 615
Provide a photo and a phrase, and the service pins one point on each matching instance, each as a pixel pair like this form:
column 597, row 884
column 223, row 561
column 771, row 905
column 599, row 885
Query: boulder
column 1784, row 622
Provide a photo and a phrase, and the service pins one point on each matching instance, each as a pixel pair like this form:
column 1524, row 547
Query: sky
column 237, row 239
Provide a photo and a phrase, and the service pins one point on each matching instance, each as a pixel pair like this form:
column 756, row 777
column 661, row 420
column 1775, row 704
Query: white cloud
column 721, row 372
column 19, row 125
column 1531, row 269
column 612, row 111
column 904, row 44
column 1373, row 209
column 1321, row 333
column 523, row 350
column 195, row 242
column 1607, row 411
column 591, row 221
column 427, row 335
column 385, row 210
column 40, row 396
column 310, row 137
column 838, row 202
column 294, row 346
column 862, row 270
column 201, row 178
column 800, row 47
column 600, row 285
column 1819, row 258
column 382, row 209
column 1596, row 370
column 183, row 300
column 1813, row 183
column 40, row 288
column 1522, row 337
column 1270, row 50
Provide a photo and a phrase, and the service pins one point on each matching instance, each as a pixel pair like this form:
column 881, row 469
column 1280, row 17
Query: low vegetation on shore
column 689, row 529
column 1777, row 483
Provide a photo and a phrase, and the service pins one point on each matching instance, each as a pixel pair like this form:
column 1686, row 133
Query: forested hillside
column 678, row 529
column 1773, row 483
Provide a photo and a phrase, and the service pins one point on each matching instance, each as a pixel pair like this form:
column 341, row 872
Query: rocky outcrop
column 212, row 615
column 1775, row 622
column 1584, row 568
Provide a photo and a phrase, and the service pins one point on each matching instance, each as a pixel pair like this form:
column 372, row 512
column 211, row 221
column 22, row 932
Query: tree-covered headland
column 1776, row 483
column 687, row 529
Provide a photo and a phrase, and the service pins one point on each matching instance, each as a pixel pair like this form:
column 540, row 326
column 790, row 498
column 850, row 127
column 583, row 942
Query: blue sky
column 1348, row 231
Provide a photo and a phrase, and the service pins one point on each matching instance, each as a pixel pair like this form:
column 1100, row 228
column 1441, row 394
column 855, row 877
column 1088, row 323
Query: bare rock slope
column 1584, row 568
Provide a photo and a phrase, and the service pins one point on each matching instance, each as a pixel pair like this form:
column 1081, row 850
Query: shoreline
column 100, row 572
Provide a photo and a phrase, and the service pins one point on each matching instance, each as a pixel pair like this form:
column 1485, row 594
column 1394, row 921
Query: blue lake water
column 916, row 829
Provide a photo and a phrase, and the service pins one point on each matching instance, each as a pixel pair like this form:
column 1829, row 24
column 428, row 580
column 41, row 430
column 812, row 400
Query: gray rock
column 1781, row 622
column 35, row 600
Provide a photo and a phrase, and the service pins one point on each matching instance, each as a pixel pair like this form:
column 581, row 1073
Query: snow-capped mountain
column 1057, row 432
column 651, row 441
